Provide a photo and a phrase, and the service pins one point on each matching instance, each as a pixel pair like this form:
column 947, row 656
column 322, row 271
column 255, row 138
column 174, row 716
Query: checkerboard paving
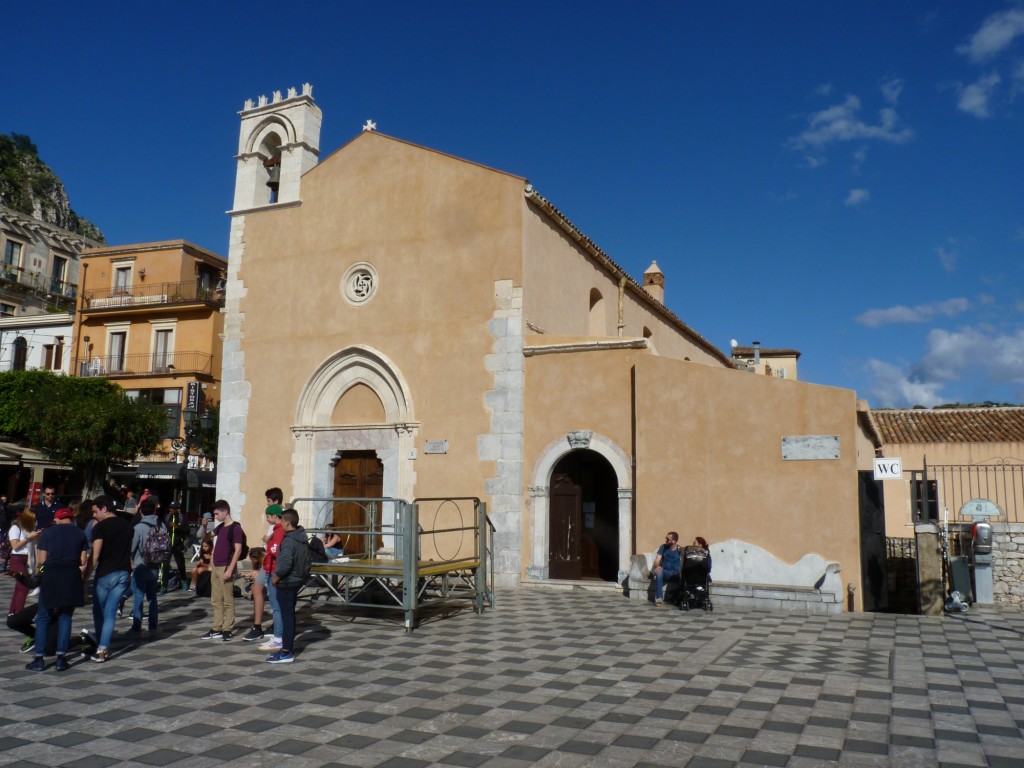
column 548, row 677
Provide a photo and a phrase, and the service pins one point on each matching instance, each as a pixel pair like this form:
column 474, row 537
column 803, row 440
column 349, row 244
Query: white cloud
column 857, row 197
column 975, row 98
column 973, row 356
column 859, row 158
column 844, row 122
column 996, row 34
column 823, row 90
column 892, row 88
column 892, row 387
column 952, row 355
column 922, row 313
column 947, row 258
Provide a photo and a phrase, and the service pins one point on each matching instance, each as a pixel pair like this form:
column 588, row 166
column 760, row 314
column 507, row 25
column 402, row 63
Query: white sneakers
column 273, row 644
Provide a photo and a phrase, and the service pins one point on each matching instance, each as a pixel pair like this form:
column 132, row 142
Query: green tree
column 84, row 423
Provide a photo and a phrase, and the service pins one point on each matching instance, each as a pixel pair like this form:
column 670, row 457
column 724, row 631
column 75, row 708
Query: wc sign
column 888, row 469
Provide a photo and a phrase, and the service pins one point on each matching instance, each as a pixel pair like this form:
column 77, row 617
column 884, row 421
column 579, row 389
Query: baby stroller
column 695, row 580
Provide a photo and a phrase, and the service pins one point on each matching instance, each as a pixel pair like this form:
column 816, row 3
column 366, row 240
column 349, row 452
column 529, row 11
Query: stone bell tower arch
column 279, row 140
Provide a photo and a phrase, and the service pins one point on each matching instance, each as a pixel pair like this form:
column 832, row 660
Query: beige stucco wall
column 709, row 462
column 560, row 277
column 439, row 232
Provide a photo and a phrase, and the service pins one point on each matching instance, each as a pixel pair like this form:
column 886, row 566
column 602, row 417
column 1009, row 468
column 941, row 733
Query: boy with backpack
column 151, row 547
column 229, row 546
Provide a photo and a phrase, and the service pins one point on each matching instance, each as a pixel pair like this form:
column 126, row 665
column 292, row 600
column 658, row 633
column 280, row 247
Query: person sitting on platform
column 203, row 564
column 334, row 544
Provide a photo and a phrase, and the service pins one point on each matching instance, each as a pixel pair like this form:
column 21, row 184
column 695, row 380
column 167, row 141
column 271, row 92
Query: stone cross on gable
column 369, row 125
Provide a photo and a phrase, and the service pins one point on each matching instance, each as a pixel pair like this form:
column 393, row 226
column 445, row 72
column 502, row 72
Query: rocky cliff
column 28, row 185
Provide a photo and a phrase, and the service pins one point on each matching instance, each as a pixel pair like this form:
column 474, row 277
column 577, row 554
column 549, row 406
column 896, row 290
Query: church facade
column 404, row 323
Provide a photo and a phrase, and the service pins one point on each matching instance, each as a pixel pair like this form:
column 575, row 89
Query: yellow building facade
column 149, row 318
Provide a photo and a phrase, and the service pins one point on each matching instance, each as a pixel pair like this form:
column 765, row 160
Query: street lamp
column 198, row 421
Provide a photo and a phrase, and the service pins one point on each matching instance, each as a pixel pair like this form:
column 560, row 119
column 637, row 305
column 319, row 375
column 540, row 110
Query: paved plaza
column 548, row 677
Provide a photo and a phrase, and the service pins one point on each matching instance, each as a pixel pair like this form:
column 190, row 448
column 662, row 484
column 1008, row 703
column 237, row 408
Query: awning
column 168, row 471
column 14, row 455
column 159, row 470
column 202, row 478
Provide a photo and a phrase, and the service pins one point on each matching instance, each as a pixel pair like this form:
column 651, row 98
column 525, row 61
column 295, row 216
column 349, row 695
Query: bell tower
column 279, row 141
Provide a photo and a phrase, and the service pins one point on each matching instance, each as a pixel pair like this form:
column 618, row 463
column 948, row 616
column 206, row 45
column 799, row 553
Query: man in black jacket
column 290, row 574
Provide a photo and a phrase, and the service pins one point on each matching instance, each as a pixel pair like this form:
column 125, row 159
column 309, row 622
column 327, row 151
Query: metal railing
column 415, row 556
column 148, row 364
column 189, row 292
column 950, row 486
column 59, row 290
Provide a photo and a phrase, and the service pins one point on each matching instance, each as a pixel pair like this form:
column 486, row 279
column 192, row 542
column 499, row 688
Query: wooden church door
column 566, row 519
column 358, row 475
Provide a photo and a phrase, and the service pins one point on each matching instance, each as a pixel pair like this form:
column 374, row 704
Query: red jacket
column 273, row 546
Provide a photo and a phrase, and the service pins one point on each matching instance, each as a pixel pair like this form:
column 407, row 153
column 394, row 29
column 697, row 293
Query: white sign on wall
column 889, row 469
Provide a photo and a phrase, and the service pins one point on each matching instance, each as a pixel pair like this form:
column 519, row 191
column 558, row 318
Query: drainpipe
column 622, row 304
column 77, row 319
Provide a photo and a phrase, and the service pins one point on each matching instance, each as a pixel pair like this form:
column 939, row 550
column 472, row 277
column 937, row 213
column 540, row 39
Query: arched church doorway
column 358, row 475
column 584, row 526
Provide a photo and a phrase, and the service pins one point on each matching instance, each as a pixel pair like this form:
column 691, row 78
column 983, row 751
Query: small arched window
column 596, row 325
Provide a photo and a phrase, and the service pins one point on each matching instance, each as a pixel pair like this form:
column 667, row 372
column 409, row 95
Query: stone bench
column 746, row 576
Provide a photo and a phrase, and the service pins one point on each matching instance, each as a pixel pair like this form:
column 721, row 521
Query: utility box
column 981, row 511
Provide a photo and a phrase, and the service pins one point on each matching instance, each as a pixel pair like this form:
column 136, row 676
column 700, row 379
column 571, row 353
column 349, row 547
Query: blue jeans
column 108, row 591
column 286, row 598
column 144, row 584
column 660, row 579
column 43, row 618
column 275, row 607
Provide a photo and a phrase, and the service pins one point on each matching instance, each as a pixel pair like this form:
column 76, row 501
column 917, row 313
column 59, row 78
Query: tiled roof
column 951, row 425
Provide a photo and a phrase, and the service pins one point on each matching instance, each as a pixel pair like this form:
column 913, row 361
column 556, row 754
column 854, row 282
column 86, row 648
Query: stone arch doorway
column 579, row 458
column 356, row 403
column 583, row 540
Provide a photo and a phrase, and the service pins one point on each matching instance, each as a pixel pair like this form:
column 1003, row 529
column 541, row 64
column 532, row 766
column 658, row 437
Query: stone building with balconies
column 149, row 319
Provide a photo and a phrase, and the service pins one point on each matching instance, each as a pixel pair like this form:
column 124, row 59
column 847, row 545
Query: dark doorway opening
column 873, row 562
column 584, row 518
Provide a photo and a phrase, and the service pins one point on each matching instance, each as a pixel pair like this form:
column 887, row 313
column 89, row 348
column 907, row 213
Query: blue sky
column 839, row 178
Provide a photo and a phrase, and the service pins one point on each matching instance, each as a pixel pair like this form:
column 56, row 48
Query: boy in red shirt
column 273, row 514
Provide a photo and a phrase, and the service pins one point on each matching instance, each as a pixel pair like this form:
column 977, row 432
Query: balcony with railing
column 192, row 362
column 58, row 291
column 155, row 294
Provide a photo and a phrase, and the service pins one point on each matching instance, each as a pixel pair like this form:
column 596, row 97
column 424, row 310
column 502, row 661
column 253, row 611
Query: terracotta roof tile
column 951, row 425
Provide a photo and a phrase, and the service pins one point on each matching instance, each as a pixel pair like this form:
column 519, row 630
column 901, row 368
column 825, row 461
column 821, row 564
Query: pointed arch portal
column 324, row 433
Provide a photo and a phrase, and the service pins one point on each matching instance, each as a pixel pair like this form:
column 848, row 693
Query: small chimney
column 654, row 282
column 757, row 353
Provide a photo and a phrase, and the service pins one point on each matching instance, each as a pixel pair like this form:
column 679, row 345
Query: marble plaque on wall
column 810, row 447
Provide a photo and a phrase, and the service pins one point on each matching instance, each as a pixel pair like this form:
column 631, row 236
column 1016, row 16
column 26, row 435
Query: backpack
column 245, row 542
column 156, row 547
column 317, row 553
